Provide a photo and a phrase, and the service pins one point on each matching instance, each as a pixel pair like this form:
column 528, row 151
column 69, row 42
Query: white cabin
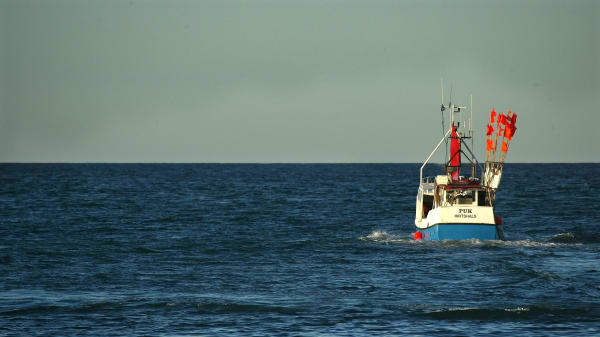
column 441, row 200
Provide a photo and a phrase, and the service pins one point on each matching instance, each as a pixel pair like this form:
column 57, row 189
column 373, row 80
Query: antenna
column 451, row 107
column 471, row 123
column 443, row 108
column 467, row 127
column 442, row 87
column 471, row 134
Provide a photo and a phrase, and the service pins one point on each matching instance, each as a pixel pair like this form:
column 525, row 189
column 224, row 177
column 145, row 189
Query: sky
column 292, row 81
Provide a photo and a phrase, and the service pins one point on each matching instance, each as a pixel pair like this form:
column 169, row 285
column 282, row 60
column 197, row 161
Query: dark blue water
column 253, row 250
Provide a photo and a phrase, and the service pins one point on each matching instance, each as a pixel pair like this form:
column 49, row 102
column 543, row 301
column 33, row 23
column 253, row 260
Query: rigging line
column 451, row 112
column 443, row 108
column 445, row 141
column 443, row 126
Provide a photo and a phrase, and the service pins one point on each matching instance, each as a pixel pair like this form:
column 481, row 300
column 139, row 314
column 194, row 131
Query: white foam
column 455, row 309
column 565, row 235
column 531, row 243
column 517, row 309
column 383, row 236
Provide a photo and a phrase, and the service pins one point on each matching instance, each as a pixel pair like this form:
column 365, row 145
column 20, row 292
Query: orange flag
column 504, row 146
column 490, row 145
column 508, row 132
column 490, row 130
column 492, row 116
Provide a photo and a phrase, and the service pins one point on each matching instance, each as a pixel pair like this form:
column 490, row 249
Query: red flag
column 490, row 130
column 504, row 146
column 502, row 119
column 511, row 125
column 492, row 116
column 500, row 130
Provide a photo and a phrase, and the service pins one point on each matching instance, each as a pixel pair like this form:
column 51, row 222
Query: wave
column 563, row 238
column 546, row 313
column 241, row 308
column 145, row 250
column 32, row 310
column 136, row 305
column 61, row 307
column 576, row 237
column 527, row 243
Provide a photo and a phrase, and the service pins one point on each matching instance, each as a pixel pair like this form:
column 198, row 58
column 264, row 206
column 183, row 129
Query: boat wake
column 561, row 239
column 385, row 237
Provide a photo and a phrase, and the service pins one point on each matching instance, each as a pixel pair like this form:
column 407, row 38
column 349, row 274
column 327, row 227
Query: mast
column 472, row 137
column 457, row 138
column 455, row 153
column 454, row 159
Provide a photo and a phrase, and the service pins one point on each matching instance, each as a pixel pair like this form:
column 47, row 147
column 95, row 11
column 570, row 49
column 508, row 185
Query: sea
column 289, row 250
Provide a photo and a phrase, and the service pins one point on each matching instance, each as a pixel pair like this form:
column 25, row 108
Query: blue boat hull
column 461, row 232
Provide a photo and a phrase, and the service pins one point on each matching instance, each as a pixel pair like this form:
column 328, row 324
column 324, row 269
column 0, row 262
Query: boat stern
column 460, row 232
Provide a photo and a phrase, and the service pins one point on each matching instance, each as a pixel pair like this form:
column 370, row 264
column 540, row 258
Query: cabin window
column 460, row 197
column 427, row 204
column 481, row 199
column 466, row 198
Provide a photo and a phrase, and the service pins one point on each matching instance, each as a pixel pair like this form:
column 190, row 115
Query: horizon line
column 277, row 163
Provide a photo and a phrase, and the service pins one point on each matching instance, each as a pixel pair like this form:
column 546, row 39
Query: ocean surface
column 289, row 250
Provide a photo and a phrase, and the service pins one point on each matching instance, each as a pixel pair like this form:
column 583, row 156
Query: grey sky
column 291, row 81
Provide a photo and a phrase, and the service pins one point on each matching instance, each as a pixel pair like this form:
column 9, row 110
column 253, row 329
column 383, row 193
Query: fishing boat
column 452, row 206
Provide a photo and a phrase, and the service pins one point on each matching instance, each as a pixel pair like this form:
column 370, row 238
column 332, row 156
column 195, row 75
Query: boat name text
column 465, row 213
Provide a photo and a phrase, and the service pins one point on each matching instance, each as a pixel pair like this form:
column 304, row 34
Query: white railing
column 431, row 155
